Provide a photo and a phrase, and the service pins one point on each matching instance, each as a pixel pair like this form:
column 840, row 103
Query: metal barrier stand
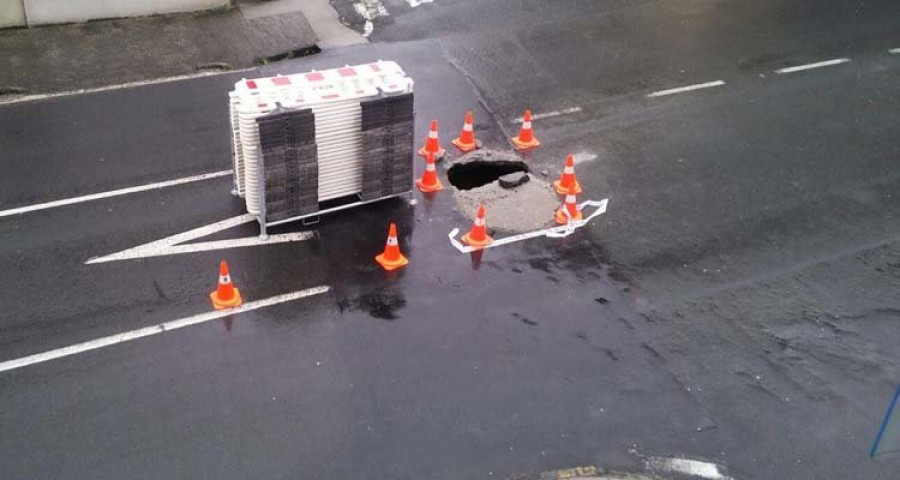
column 263, row 234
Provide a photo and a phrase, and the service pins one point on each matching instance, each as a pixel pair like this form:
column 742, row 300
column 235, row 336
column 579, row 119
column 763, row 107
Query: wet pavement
column 737, row 303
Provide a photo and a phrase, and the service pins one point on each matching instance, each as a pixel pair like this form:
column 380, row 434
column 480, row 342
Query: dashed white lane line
column 894, row 50
column 689, row 88
column 157, row 329
column 170, row 245
column 112, row 193
column 555, row 113
column 69, row 93
column 810, row 66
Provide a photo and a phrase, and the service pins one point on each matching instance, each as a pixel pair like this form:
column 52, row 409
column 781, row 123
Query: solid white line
column 688, row 88
column 555, row 113
column 81, row 91
column 809, row 66
column 157, row 329
column 113, row 193
column 894, row 50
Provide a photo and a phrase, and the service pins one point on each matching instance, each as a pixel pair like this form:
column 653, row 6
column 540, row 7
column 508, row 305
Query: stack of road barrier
column 387, row 126
column 350, row 128
column 287, row 140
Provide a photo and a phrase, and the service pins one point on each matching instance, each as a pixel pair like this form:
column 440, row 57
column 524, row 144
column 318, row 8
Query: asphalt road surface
column 736, row 305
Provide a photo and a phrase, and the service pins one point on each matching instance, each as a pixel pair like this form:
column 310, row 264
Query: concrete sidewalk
column 99, row 53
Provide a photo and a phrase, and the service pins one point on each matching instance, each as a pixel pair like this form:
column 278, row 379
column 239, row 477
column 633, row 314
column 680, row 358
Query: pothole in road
column 477, row 173
column 524, row 205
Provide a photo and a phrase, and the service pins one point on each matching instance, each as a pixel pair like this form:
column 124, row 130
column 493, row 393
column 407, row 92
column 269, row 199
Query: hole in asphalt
column 7, row 90
column 469, row 175
column 300, row 52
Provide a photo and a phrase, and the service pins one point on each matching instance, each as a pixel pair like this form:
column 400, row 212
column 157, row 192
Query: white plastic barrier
column 334, row 97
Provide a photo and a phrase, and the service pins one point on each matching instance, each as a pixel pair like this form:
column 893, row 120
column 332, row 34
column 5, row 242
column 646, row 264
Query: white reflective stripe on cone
column 479, row 222
column 570, row 198
column 429, row 167
column 569, row 170
column 526, row 125
column 392, row 241
column 224, row 279
column 467, row 127
column 433, row 134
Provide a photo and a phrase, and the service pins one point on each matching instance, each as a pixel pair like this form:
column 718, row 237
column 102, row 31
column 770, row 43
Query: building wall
column 12, row 13
column 39, row 12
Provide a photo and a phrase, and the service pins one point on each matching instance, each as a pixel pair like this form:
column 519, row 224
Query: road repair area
column 653, row 265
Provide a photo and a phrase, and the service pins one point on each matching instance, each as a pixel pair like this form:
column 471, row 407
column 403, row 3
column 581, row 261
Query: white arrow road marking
column 113, row 193
column 157, row 329
column 170, row 245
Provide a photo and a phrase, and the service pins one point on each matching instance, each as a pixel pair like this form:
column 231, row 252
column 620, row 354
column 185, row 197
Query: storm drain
column 296, row 53
column 469, row 175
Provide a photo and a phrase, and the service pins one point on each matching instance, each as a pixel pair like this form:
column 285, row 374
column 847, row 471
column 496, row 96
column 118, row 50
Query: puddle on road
column 382, row 303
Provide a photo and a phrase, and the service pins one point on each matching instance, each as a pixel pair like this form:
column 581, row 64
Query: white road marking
column 157, row 329
column 555, row 113
column 82, row 91
column 370, row 10
column 555, row 232
column 810, row 66
column 688, row 88
column 113, row 193
column 416, row 3
column 686, row 466
column 169, row 245
column 894, row 50
column 584, row 157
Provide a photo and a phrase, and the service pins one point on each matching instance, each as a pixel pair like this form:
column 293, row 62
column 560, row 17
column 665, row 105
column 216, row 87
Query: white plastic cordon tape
column 555, row 232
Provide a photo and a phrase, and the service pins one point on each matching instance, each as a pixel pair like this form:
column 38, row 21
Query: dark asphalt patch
column 382, row 304
column 524, row 319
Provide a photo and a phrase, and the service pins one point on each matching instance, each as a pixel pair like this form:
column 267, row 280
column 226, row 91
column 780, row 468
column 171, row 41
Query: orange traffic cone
column 569, row 206
column 466, row 141
column 477, row 236
column 567, row 179
column 226, row 295
column 392, row 259
column 432, row 144
column 526, row 140
column 429, row 181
